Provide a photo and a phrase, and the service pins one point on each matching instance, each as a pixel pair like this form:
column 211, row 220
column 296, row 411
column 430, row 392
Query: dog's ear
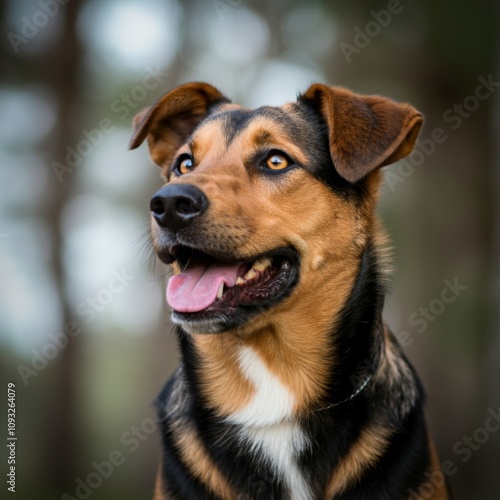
column 172, row 119
column 365, row 132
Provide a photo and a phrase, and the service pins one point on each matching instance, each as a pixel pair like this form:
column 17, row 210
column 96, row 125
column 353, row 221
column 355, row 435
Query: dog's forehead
column 263, row 123
column 293, row 128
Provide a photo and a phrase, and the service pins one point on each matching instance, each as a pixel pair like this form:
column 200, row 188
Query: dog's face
column 263, row 208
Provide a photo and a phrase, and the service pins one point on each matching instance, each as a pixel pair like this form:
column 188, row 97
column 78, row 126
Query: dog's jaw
column 216, row 324
column 260, row 283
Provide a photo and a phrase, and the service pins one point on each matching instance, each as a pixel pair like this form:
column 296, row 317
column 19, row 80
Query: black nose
column 176, row 205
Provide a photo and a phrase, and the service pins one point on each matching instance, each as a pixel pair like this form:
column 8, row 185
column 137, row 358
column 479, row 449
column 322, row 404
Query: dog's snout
column 176, row 205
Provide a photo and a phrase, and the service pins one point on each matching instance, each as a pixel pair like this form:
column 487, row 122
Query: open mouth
column 209, row 288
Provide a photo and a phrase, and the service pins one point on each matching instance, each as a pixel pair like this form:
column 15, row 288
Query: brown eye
column 185, row 166
column 277, row 162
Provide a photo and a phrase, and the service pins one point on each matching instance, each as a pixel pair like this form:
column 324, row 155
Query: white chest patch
column 272, row 401
column 268, row 425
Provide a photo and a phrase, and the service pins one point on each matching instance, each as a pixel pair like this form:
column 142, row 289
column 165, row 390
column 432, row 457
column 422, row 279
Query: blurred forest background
column 85, row 334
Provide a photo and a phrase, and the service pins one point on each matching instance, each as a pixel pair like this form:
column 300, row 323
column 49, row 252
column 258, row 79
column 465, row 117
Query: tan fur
column 440, row 492
column 224, row 385
column 159, row 493
column 392, row 367
column 365, row 451
column 195, row 457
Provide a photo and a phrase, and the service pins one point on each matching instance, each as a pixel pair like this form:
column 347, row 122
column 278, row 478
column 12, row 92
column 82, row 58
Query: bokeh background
column 74, row 212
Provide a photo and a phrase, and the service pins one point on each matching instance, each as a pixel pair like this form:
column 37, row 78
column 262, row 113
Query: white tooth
column 240, row 281
column 261, row 264
column 220, row 291
column 258, row 265
column 250, row 275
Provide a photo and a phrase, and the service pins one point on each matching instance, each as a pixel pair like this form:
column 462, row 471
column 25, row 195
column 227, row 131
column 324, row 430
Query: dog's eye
column 277, row 161
column 185, row 165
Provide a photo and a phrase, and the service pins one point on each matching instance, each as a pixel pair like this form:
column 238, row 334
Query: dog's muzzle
column 213, row 292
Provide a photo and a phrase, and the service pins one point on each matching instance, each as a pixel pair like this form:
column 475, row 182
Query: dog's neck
column 307, row 355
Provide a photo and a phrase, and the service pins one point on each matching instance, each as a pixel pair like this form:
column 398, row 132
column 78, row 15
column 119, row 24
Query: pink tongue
column 196, row 287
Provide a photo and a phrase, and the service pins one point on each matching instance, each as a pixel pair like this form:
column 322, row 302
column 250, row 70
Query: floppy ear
column 365, row 132
column 172, row 119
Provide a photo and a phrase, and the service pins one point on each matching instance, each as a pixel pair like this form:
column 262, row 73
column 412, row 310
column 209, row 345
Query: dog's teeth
column 258, row 265
column 250, row 275
column 220, row 291
column 262, row 264
column 240, row 281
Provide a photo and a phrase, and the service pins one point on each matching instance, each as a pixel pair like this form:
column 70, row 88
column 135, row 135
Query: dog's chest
column 268, row 427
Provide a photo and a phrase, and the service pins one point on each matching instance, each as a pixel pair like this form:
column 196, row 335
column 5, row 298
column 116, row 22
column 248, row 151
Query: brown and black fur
column 322, row 335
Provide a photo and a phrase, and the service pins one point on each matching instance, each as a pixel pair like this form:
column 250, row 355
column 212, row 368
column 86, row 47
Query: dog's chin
column 248, row 298
column 195, row 323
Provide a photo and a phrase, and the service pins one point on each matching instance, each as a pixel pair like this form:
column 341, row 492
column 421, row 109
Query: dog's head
column 265, row 207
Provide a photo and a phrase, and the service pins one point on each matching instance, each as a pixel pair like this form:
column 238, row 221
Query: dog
column 290, row 385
